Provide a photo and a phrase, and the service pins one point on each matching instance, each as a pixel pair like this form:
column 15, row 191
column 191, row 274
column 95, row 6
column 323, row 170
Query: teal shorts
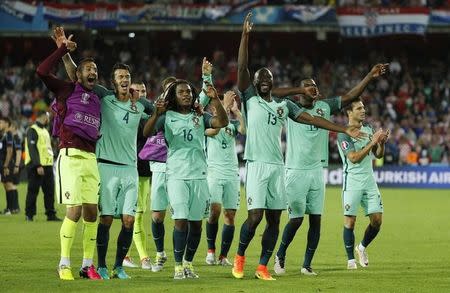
column 369, row 199
column 264, row 186
column 305, row 192
column 189, row 199
column 225, row 192
column 159, row 197
column 118, row 190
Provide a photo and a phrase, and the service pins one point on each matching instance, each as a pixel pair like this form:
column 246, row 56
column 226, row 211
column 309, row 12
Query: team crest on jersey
column 345, row 145
column 133, row 106
column 280, row 112
column 85, row 98
column 320, row 112
column 347, row 207
column 228, row 131
column 67, row 195
column 196, row 121
column 249, row 201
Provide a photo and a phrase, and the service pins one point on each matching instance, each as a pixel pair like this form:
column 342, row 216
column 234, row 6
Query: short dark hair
column 83, row 61
column 349, row 107
column 6, row 119
column 119, row 66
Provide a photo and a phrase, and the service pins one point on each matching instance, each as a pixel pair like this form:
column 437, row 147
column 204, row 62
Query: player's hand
column 355, row 132
column 40, row 171
column 379, row 69
column 248, row 25
column 235, row 108
column 385, row 136
column 160, row 106
column 198, row 108
column 210, row 92
column 16, row 170
column 134, row 95
column 229, row 98
column 207, row 67
column 6, row 171
column 71, row 45
column 59, row 36
column 377, row 136
column 311, row 91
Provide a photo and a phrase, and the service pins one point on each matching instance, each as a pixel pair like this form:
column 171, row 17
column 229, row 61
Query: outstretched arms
column 355, row 92
column 243, row 72
column 320, row 122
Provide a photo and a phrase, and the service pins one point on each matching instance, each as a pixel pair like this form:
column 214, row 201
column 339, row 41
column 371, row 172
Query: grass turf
column 411, row 253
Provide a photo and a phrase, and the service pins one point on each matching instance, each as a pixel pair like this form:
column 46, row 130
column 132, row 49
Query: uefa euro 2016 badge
column 196, row 121
column 280, row 112
column 320, row 112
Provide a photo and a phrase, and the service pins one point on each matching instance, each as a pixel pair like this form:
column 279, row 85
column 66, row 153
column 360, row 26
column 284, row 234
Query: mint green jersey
column 264, row 122
column 185, row 139
column 307, row 145
column 357, row 176
column 120, row 122
column 221, row 152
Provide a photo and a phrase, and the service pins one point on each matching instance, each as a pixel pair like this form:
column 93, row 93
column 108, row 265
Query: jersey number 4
column 125, row 118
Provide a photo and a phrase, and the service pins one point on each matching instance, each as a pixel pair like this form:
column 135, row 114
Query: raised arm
column 235, row 110
column 358, row 156
column 289, row 91
column 355, row 92
column 43, row 71
column 60, row 38
column 320, row 122
column 207, row 80
column 220, row 119
column 243, row 72
column 150, row 126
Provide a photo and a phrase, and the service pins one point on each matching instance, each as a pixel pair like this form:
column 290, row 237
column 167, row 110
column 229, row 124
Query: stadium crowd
column 413, row 100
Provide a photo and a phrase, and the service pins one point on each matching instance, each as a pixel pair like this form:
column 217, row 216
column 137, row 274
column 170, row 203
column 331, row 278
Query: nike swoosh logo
column 66, row 236
column 177, row 250
column 172, row 120
column 93, row 239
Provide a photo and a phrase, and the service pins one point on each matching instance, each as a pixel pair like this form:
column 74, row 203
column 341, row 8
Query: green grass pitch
column 411, row 253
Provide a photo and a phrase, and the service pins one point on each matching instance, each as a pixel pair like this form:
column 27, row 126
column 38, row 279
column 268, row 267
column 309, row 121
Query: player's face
column 184, row 95
column 141, row 89
column 122, row 81
column 88, row 76
column 2, row 125
column 263, row 81
column 311, row 88
column 358, row 112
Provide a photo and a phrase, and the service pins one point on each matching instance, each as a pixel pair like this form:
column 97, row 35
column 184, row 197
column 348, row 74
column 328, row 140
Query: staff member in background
column 11, row 180
column 39, row 162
